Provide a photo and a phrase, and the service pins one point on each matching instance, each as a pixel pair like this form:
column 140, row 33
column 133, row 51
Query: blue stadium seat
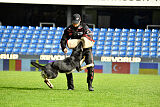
column 123, row 43
column 145, row 44
column 138, row 39
column 2, row 27
column 100, row 43
column 12, row 40
column 118, row 30
column 154, row 30
column 19, row 40
column 140, row 30
column 3, row 45
column 96, row 29
column 109, row 38
column 130, row 43
column 1, row 31
column 49, row 41
column 35, row 36
column 95, row 38
column 132, row 34
column 9, row 27
column 102, row 38
column 33, row 45
column 107, row 48
column 15, row 31
column 59, row 33
column 60, row 28
column 107, row 53
column 124, row 38
column 55, row 46
column 39, row 51
column 24, row 27
column 102, row 33
column 17, row 27
column 16, row 50
column 153, row 54
column 132, row 30
column 51, row 33
column 103, row 29
column 22, row 31
column 4, row 40
column 31, row 28
column 44, row 32
column 27, row 41
column 130, row 54
column 53, row 28
column 7, row 31
column 94, row 47
column 25, row 45
column 38, row 28
column 138, row 48
column 109, row 34
column 23, row 51
column 114, row 53
column 147, row 30
column 153, row 49
column 146, row 39
column 50, row 37
column 153, row 44
column 34, row 41
column 122, row 53
column 100, row 47
column 145, row 49
column 40, row 46
column 56, row 41
column 116, row 34
column 123, row 48
column 13, row 35
column 57, row 37
column 99, row 53
column 6, row 36
column 139, row 34
column 45, row 28
column 125, row 30
column 42, row 36
column 124, row 34
column 2, row 50
column 46, row 51
column 116, row 38
column 21, row 36
column 8, row 50
column 115, row 48
column 48, row 46
column 137, row 54
column 41, row 41
column 18, row 45
column 30, row 32
column 138, row 44
column 37, row 32
column 95, row 34
column 31, row 51
column 110, row 30
column 154, row 35
column 115, row 43
column 145, row 54
column 54, row 52
column 130, row 48
column 108, row 43
column 10, row 45
column 28, row 36
column 131, row 39
column 146, row 35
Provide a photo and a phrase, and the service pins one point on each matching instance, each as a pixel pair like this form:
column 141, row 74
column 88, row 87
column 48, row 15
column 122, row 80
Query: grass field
column 27, row 89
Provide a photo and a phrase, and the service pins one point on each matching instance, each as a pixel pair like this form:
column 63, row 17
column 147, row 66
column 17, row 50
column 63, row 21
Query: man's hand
column 65, row 50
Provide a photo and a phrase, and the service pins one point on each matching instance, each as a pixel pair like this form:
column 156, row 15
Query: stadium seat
column 25, row 45
column 145, row 44
column 99, row 53
column 95, row 34
column 57, row 37
column 45, row 28
column 116, row 34
column 137, row 54
column 53, row 28
column 27, row 41
column 21, row 36
column 154, row 30
column 24, row 27
column 100, row 47
column 12, row 40
column 16, row 50
column 49, row 46
column 132, row 30
column 115, row 48
column 115, row 43
column 103, row 29
column 8, row 50
column 40, row 46
column 23, row 51
column 109, row 34
column 138, row 39
column 140, row 30
column 42, row 36
column 22, row 31
column 131, row 39
column 116, row 39
column 96, row 29
column 33, row 45
column 146, row 35
column 7, row 31
column 60, row 28
column 13, row 36
column 31, row 51
column 46, row 51
column 145, row 54
column 102, row 33
column 60, row 52
column 153, row 49
column 123, row 48
column 56, row 41
column 49, row 41
column 124, row 38
column 94, row 47
column 146, row 39
column 39, row 51
column 10, row 45
column 138, row 44
column 107, row 53
column 95, row 38
column 50, row 37
column 35, row 36
column 139, row 35
column 107, row 48
column 18, row 45
column 110, row 30
column 118, row 30
column 153, row 44
column 130, row 54
column 102, row 38
column 114, row 53
column 41, row 41
column 54, row 52
column 2, row 50
column 6, row 35
column 132, row 34
column 1, row 31
column 9, row 27
column 59, row 33
column 31, row 28
column 1, row 36
column 154, row 35
column 51, row 33
column 130, row 48
column 2, row 27
column 100, row 43
column 38, row 28
column 19, row 40
column 130, row 43
column 123, row 43
column 138, row 48
column 4, row 40
column 147, row 30
column 124, row 34
column 3, row 45
column 55, row 46
column 91, row 29
column 15, row 31
column 44, row 32
column 34, row 41
column 153, row 54
column 30, row 32
column 37, row 32
column 108, row 38
column 145, row 49
column 122, row 53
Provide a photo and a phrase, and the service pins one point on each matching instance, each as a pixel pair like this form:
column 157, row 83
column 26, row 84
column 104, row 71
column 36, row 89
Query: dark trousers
column 90, row 70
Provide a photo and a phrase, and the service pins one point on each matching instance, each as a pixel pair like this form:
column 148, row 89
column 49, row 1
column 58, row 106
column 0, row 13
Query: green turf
column 27, row 89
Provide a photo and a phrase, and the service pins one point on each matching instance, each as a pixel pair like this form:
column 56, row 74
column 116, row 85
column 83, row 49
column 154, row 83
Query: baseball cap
column 76, row 18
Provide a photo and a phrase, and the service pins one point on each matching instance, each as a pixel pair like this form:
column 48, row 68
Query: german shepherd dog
column 50, row 70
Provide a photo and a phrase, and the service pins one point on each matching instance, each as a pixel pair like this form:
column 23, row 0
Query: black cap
column 76, row 18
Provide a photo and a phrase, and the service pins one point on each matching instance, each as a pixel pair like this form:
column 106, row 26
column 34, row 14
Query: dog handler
column 75, row 31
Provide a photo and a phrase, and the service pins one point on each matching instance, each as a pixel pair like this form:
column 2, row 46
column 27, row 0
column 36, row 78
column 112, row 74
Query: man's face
column 76, row 25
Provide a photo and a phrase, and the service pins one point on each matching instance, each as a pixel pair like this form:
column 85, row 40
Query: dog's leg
column 47, row 81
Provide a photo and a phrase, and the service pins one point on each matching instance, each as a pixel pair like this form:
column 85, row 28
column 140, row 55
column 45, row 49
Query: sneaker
column 70, row 89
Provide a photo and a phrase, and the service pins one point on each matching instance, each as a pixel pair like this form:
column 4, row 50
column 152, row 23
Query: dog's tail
column 38, row 65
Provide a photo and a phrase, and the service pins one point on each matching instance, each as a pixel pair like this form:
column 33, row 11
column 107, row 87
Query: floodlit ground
column 27, row 89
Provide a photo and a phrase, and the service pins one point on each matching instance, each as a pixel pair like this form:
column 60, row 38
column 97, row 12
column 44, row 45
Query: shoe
column 90, row 89
column 70, row 89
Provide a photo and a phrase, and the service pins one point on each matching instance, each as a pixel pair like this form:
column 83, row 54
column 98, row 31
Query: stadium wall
column 100, row 67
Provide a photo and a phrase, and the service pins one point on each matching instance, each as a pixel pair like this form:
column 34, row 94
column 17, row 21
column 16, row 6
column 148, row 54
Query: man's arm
column 87, row 32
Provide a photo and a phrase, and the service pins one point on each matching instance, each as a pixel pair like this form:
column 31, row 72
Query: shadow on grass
column 28, row 88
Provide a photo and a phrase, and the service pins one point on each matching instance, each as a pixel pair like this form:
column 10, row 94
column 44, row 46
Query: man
column 75, row 31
